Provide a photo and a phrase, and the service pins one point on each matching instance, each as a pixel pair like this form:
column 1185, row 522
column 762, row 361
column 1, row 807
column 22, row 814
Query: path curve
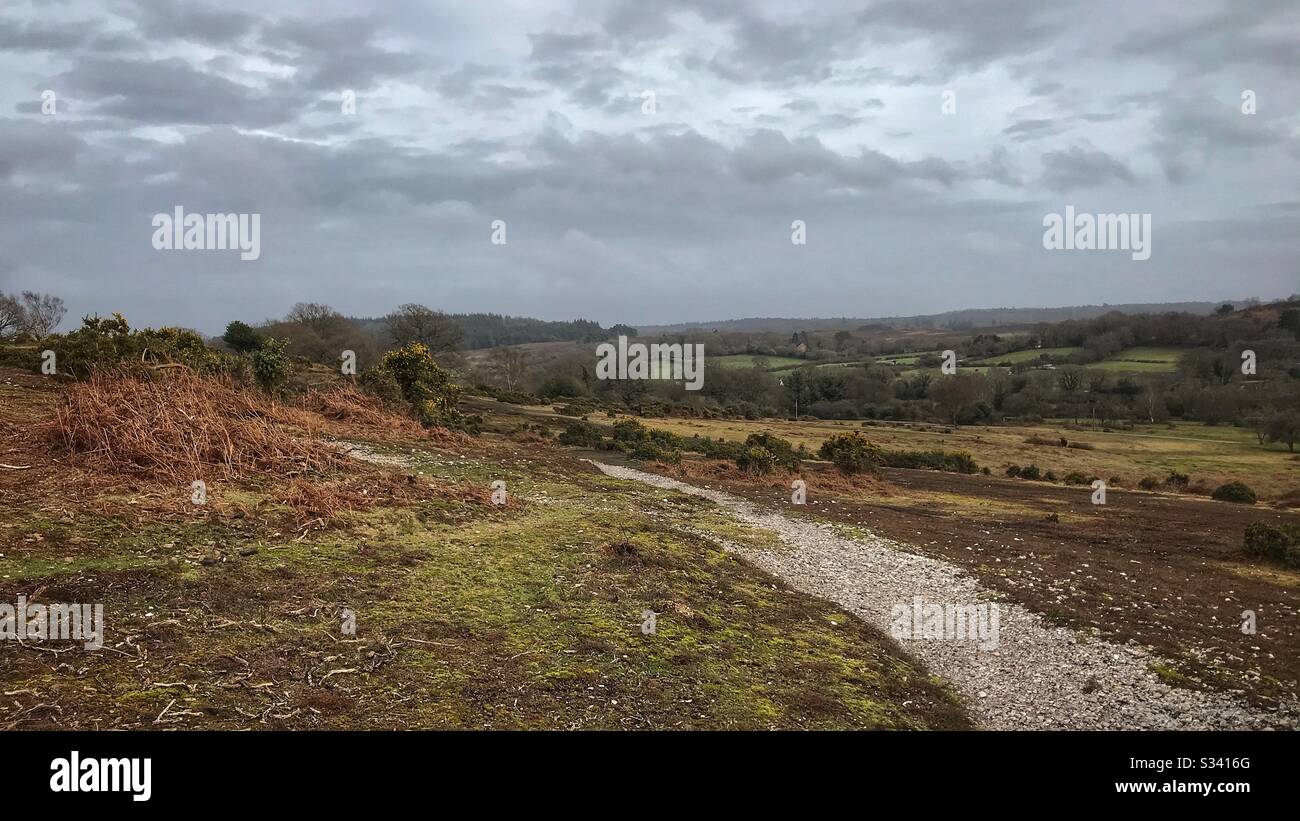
column 1036, row 677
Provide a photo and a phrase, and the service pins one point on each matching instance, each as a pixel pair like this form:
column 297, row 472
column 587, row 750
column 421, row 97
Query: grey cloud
column 192, row 21
column 1033, row 129
column 17, row 36
column 819, row 110
column 173, row 91
column 1082, row 167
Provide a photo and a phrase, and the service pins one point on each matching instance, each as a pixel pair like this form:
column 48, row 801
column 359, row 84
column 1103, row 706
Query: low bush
column 783, row 453
column 424, row 386
column 1274, row 543
column 756, row 460
column 959, row 461
column 1234, row 492
column 108, row 342
column 581, row 434
column 851, row 453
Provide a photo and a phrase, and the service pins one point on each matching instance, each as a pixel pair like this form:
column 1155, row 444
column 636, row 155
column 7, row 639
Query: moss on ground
column 467, row 615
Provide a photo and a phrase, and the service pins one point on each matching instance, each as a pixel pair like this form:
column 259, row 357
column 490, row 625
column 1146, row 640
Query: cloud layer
column 648, row 159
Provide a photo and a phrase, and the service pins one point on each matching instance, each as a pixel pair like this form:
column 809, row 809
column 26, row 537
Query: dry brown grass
column 816, row 477
column 178, row 426
column 347, row 411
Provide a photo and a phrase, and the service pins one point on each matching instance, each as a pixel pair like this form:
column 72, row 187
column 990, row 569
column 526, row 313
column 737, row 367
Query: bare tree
column 11, row 316
column 508, row 364
column 42, row 313
column 320, row 318
column 416, row 323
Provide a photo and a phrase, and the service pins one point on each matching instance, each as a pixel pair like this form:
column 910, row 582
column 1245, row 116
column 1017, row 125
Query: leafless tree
column 42, row 313
column 508, row 364
column 320, row 318
column 416, row 323
column 11, row 316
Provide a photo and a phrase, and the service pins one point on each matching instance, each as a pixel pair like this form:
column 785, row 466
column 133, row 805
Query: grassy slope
column 467, row 615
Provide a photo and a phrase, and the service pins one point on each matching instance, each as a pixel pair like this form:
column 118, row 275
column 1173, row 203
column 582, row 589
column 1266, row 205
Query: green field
column 745, row 360
column 905, row 359
column 1142, row 360
column 1028, row 355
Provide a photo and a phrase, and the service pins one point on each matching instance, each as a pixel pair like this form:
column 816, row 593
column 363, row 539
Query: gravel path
column 1037, row 677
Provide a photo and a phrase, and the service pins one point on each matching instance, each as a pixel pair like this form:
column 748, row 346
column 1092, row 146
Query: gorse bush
column 851, row 452
column 1234, row 492
column 1274, row 543
column 951, row 461
column 756, row 460
column 783, row 453
column 580, row 434
column 1026, row 472
column 108, row 342
column 422, row 384
column 639, row 442
column 713, row 448
column 271, row 364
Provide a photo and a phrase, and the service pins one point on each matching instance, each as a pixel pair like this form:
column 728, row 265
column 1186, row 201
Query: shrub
column 1030, row 472
column 851, row 452
column 241, row 337
column 1074, row 477
column 951, row 461
column 1013, row 471
column 382, row 384
column 781, row 451
column 1234, row 492
column 580, row 434
column 713, row 448
column 628, row 432
column 1177, row 481
column 425, row 387
column 1148, row 483
column 756, row 460
column 1275, row 543
column 561, row 385
column 107, row 342
column 654, row 451
column 271, row 364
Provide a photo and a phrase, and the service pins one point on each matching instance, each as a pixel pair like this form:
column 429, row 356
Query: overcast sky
column 534, row 113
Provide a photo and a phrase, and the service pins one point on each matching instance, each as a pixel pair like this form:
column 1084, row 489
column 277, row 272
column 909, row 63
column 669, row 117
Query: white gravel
column 1036, row 676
